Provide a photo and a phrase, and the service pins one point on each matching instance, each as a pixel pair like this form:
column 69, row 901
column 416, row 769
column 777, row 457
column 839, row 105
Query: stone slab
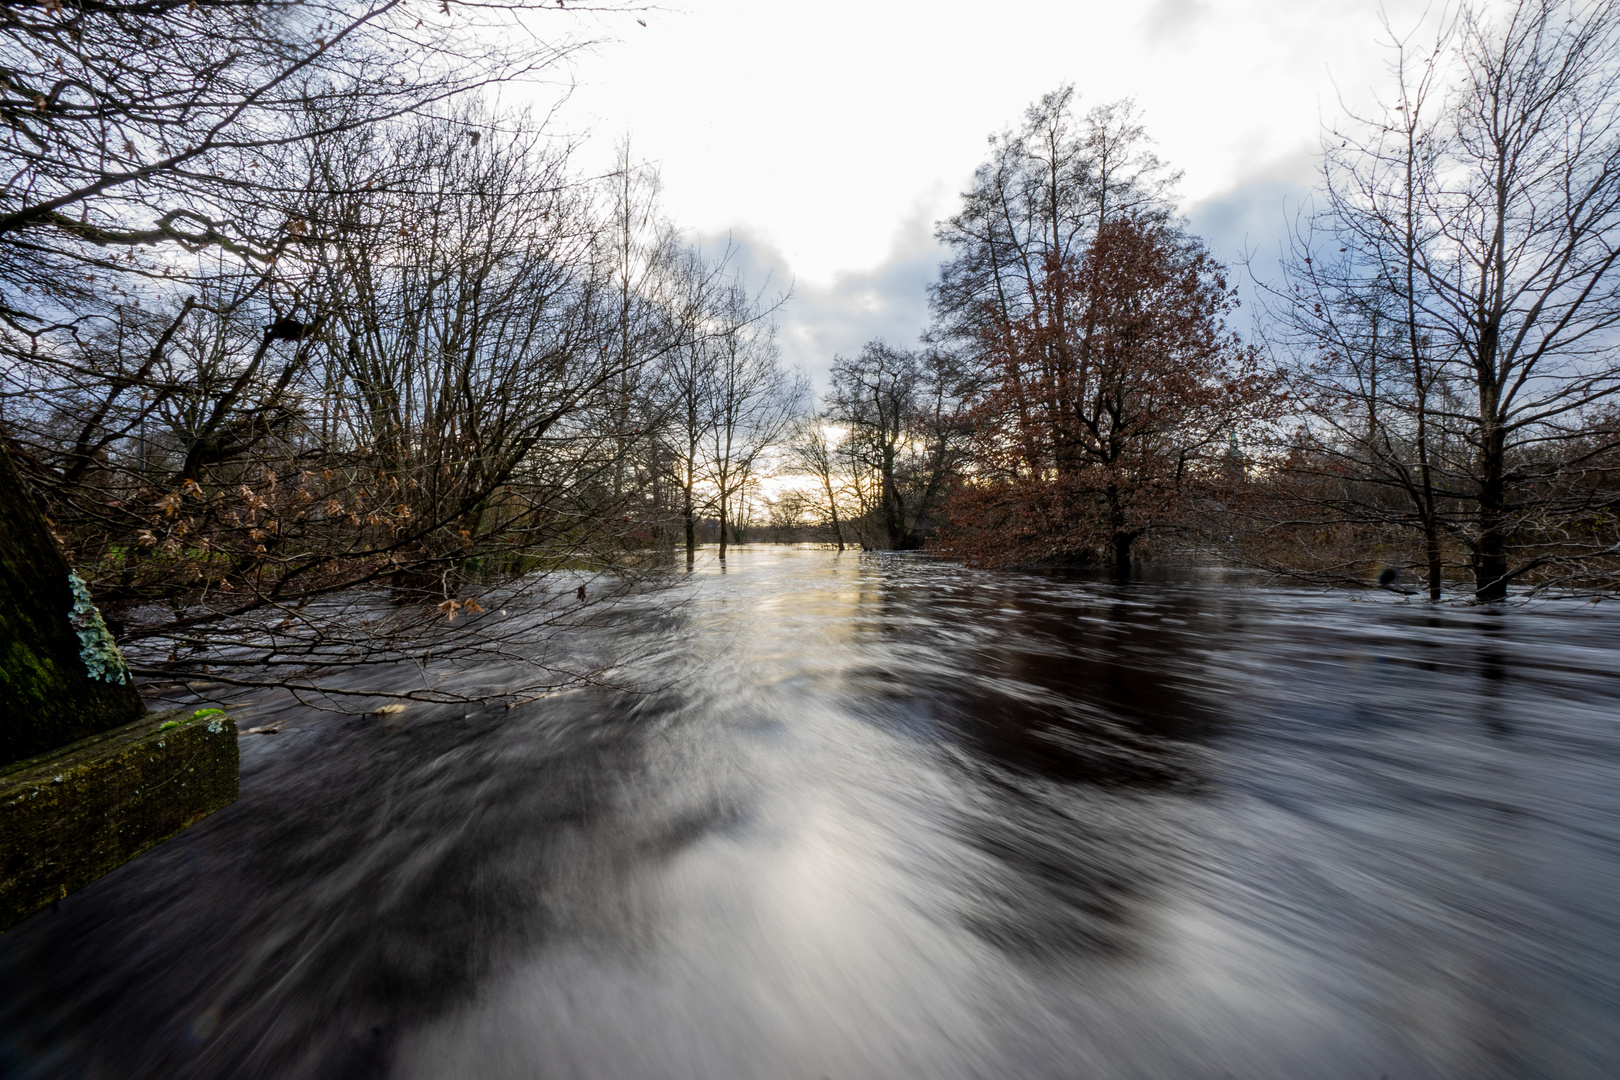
column 70, row 816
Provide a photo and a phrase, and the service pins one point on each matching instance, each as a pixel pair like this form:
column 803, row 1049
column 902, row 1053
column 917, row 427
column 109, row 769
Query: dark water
column 891, row 818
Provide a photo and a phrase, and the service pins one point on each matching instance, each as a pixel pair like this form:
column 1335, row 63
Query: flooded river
column 881, row 817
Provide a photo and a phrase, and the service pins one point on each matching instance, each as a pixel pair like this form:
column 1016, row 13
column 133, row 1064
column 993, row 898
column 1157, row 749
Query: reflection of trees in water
column 1493, row 670
column 1076, row 725
column 1061, row 870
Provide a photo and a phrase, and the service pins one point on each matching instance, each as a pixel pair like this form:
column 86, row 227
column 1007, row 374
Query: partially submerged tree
column 1113, row 404
column 1452, row 308
column 814, row 451
column 753, row 401
column 652, row 317
column 901, row 444
column 436, row 426
column 1094, row 325
column 722, row 398
column 874, row 395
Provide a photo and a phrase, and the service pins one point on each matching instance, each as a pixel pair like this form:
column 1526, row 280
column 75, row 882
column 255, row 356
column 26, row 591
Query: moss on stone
column 97, row 649
column 61, row 677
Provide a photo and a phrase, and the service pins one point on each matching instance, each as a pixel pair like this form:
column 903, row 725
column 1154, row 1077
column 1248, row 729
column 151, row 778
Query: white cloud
column 822, row 320
column 1168, row 19
column 827, row 138
column 1251, row 220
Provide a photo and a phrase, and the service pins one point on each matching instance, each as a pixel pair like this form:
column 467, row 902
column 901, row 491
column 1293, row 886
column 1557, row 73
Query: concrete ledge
column 68, row 817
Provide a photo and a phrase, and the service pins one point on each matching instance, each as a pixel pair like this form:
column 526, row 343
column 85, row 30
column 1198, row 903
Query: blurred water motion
column 882, row 817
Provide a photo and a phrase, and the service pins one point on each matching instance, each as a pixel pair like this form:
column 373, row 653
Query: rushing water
column 881, row 817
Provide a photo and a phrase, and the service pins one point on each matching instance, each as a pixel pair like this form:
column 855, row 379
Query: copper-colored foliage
column 1110, row 405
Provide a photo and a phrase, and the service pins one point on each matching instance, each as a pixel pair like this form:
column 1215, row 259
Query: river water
column 873, row 816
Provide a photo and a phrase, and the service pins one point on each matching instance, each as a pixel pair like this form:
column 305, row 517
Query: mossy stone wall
column 71, row 816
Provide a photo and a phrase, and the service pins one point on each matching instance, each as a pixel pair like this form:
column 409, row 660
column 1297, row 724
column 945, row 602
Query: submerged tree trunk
column 723, row 525
column 1491, row 547
column 894, row 506
column 1122, row 554
column 1431, row 523
column 838, row 530
column 1490, row 559
column 1121, row 539
column 690, row 517
column 1433, row 554
column 61, row 676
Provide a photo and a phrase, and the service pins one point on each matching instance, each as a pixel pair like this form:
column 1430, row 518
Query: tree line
column 1431, row 383
column 314, row 356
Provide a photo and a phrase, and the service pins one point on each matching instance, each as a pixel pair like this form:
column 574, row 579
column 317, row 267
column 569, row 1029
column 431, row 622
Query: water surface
column 879, row 816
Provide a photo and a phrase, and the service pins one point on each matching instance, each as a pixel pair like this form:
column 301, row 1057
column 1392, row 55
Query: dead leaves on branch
column 322, row 526
column 1109, row 405
column 453, row 607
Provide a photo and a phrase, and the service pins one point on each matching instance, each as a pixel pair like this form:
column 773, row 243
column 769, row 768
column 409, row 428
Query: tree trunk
column 894, row 512
column 1490, row 560
column 838, row 531
column 1433, row 541
column 58, row 682
column 1122, row 539
column 1431, row 523
column 1122, row 554
column 1490, row 554
column 723, row 530
column 691, row 529
column 688, row 510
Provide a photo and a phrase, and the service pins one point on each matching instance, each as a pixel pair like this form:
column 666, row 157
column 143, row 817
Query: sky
column 825, row 140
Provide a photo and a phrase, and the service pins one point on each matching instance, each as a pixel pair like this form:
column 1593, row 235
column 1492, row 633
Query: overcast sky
column 826, row 139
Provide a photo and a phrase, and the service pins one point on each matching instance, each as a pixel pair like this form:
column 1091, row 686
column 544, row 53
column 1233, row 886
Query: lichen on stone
column 97, row 648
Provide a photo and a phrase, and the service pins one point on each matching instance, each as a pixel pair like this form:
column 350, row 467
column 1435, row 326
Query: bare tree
column 1086, row 323
column 874, row 395
column 903, row 439
column 793, row 515
column 281, row 320
column 753, row 400
column 814, row 450
column 641, row 254
column 1458, row 295
column 686, row 410
column 441, row 426
column 136, row 127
